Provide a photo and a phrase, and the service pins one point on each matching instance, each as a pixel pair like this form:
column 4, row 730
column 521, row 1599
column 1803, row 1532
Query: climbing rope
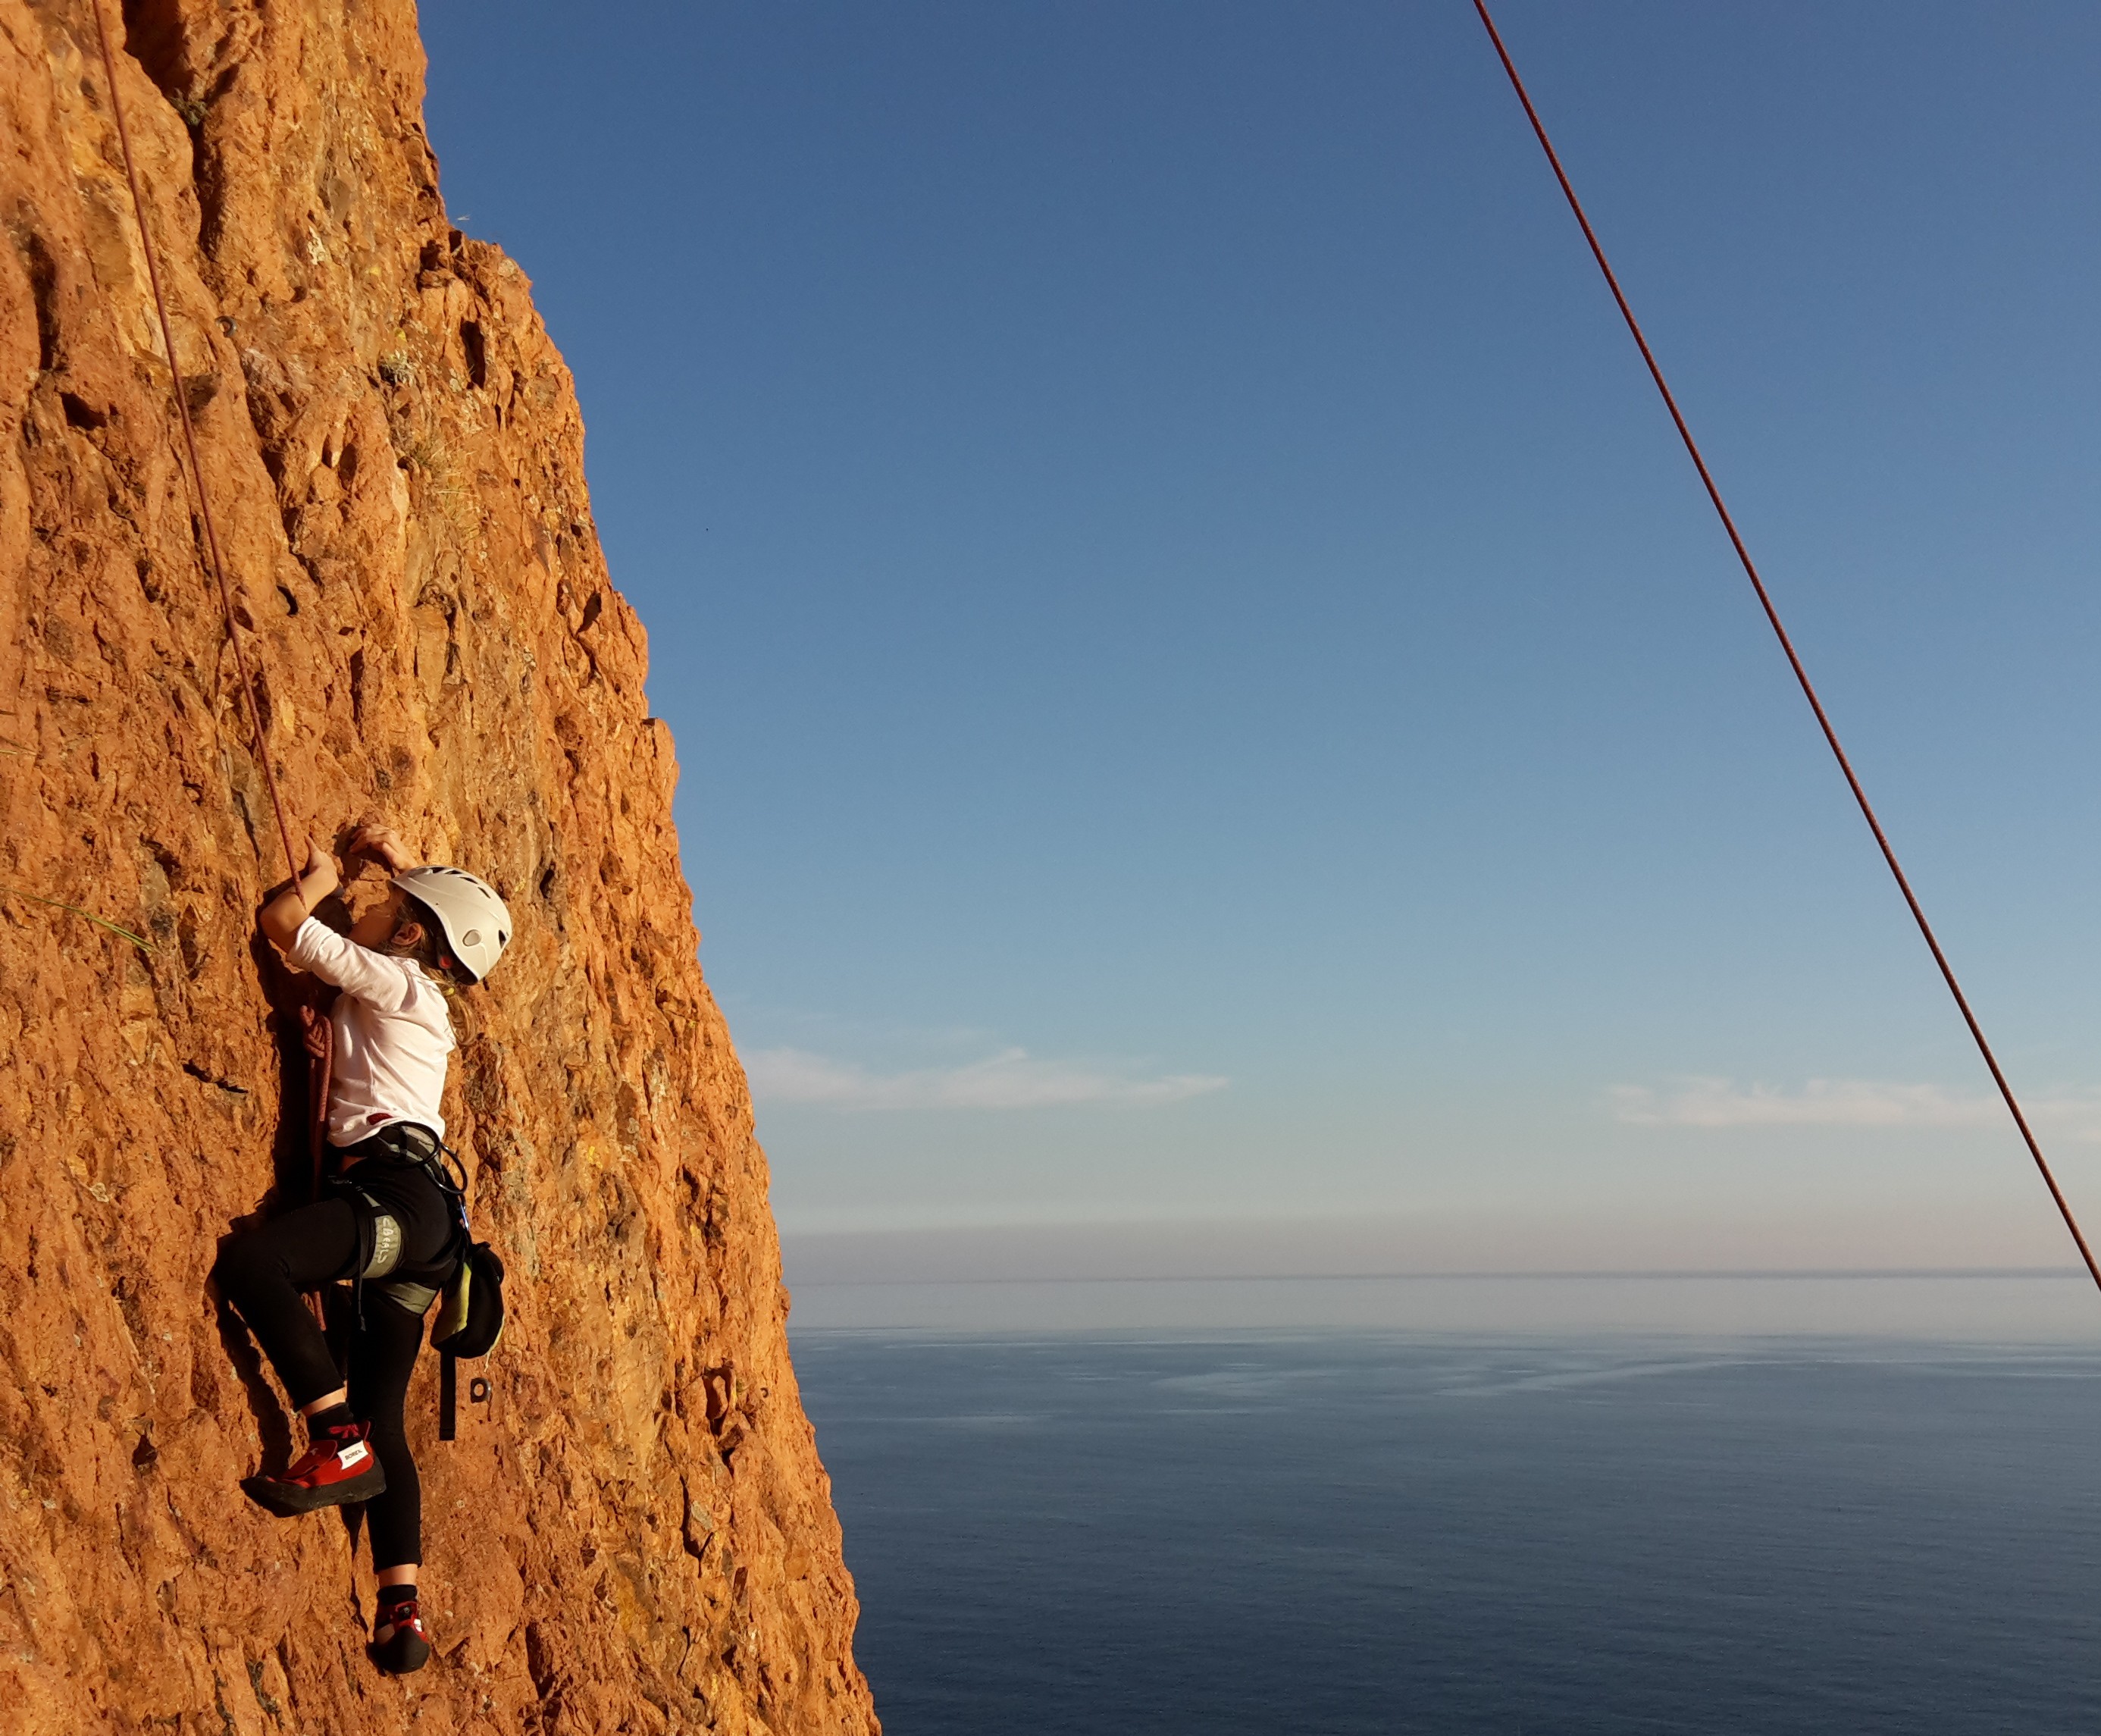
column 189, row 442
column 1787, row 645
column 317, row 1046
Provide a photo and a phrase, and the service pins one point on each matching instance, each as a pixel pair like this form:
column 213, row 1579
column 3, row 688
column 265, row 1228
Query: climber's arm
column 282, row 915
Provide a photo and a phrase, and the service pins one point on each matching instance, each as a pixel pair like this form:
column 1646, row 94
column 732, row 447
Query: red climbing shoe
column 336, row 1471
column 399, row 1643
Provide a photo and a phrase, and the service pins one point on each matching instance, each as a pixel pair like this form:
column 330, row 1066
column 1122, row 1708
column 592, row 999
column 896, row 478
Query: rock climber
column 387, row 1218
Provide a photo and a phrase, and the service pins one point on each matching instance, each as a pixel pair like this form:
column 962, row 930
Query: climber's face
column 377, row 919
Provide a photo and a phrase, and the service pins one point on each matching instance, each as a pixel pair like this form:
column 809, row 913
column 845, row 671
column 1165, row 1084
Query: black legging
column 262, row 1273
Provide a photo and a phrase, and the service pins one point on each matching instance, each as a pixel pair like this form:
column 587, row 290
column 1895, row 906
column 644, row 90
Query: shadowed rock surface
column 633, row 1533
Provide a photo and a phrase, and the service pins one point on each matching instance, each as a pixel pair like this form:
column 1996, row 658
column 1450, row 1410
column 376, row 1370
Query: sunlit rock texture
column 633, row 1532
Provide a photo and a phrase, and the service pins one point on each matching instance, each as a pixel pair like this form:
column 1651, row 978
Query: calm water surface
column 1319, row 1533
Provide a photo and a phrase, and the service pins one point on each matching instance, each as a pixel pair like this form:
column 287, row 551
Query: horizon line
column 1762, row 1273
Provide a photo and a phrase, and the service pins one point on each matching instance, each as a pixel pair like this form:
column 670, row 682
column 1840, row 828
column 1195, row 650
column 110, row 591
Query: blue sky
column 1205, row 685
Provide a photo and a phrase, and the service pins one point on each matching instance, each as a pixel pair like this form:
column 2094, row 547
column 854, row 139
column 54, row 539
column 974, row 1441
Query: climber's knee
column 246, row 1263
column 312, row 1245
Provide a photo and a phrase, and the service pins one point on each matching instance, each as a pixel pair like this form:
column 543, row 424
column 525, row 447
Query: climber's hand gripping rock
column 382, row 844
column 282, row 915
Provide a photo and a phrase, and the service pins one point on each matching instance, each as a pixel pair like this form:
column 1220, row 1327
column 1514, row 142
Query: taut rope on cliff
column 1787, row 645
column 216, row 562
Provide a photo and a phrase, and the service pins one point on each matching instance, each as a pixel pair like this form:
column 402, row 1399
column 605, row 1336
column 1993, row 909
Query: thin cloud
column 1707, row 1102
column 1012, row 1079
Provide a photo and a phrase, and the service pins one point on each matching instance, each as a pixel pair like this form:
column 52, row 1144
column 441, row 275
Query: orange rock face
column 633, row 1531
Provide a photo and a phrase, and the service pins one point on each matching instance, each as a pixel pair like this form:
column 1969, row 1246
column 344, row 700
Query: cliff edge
column 632, row 1532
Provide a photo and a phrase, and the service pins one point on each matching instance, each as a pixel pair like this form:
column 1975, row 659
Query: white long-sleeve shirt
column 392, row 1035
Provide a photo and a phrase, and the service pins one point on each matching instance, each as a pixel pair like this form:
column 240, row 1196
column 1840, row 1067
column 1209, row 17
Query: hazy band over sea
column 1434, row 1275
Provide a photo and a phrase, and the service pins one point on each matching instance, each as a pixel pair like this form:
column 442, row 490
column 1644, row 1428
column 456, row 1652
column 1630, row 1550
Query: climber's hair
column 430, row 951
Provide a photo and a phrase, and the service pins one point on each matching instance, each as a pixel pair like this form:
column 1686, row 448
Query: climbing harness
column 1787, row 645
column 189, row 443
column 471, row 1321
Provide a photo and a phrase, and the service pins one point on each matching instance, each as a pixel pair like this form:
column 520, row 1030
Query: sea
column 1326, row 1532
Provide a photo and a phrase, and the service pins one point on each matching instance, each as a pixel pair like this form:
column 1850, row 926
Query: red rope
column 1794, row 662
column 189, row 442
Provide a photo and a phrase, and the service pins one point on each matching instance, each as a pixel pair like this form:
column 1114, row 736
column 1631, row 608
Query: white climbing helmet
column 477, row 922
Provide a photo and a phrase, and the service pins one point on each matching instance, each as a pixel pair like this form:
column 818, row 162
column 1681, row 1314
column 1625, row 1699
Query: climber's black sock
column 391, row 1595
column 320, row 1422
